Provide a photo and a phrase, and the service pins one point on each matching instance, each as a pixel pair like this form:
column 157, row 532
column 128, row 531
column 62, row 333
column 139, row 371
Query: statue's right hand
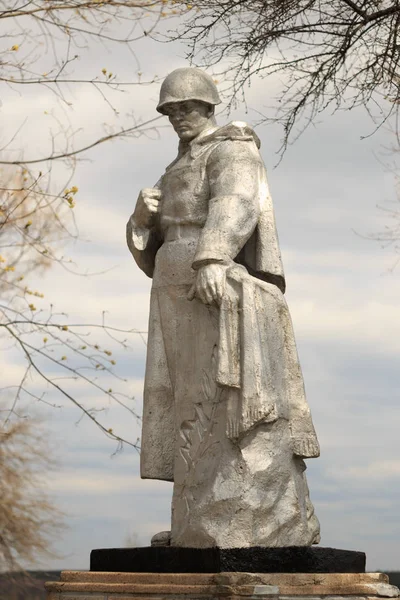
column 147, row 207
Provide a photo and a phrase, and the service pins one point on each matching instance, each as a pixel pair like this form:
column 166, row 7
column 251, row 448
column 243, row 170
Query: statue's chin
column 186, row 136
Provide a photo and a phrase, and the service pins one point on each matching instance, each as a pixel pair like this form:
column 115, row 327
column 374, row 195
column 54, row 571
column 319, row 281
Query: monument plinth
column 77, row 585
column 218, row 560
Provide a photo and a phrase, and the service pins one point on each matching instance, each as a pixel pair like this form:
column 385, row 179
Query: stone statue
column 225, row 414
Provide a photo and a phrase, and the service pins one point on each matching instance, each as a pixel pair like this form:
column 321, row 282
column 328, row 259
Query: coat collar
column 236, row 130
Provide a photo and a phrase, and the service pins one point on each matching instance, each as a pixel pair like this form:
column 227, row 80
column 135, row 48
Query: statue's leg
column 158, row 426
column 227, row 493
column 191, row 338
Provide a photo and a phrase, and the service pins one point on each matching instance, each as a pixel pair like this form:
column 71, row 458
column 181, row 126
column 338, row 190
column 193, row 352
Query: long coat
column 215, row 199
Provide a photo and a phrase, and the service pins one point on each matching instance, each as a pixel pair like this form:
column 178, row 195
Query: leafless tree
column 53, row 353
column 28, row 519
column 327, row 53
column 389, row 235
column 44, row 45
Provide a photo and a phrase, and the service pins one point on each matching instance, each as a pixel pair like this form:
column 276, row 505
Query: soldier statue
column 225, row 415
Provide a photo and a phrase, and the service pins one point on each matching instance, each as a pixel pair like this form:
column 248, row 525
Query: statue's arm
column 234, row 171
column 142, row 235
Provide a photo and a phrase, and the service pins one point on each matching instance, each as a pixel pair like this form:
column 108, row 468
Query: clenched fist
column 147, row 207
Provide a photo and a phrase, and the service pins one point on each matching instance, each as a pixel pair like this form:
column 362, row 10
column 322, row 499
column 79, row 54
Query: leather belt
column 177, row 232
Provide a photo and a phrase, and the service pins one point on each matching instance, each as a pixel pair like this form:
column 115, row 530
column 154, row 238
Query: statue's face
column 188, row 118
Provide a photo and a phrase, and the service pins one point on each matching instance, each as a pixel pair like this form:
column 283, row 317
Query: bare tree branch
column 63, row 155
column 328, row 53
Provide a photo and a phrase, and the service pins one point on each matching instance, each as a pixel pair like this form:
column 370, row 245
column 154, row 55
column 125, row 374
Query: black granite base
column 172, row 559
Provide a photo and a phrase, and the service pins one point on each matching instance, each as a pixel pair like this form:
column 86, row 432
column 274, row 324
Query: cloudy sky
column 342, row 292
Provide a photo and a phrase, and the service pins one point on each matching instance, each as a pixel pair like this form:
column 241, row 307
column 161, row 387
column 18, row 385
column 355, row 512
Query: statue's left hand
column 210, row 284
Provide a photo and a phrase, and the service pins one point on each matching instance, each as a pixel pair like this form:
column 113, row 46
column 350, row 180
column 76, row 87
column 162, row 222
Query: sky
column 343, row 292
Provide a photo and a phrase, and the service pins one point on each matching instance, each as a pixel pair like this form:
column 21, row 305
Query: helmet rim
column 185, row 84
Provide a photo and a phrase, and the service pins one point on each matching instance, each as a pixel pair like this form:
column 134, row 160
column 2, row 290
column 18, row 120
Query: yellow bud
column 64, row 327
column 45, row 339
column 74, row 189
column 63, row 358
column 113, row 362
column 104, row 71
column 110, row 430
column 28, row 224
column 15, row 47
column 32, row 307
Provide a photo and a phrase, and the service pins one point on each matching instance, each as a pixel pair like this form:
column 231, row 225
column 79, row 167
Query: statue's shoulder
column 234, row 131
column 234, row 141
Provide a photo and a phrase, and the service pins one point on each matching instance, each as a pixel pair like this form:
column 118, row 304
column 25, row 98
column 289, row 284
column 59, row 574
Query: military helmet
column 187, row 84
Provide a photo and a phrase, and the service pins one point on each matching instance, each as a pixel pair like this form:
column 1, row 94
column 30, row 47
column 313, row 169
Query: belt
column 177, row 232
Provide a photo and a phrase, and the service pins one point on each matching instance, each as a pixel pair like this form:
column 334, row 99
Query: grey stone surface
column 225, row 415
column 178, row 586
column 385, row 590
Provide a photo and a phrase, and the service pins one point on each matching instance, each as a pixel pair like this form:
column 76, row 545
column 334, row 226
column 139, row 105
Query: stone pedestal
column 257, row 559
column 80, row 585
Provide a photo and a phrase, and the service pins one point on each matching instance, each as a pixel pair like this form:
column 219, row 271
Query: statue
column 225, row 414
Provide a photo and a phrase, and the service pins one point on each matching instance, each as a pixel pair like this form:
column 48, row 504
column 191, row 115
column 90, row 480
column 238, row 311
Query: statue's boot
column 163, row 538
